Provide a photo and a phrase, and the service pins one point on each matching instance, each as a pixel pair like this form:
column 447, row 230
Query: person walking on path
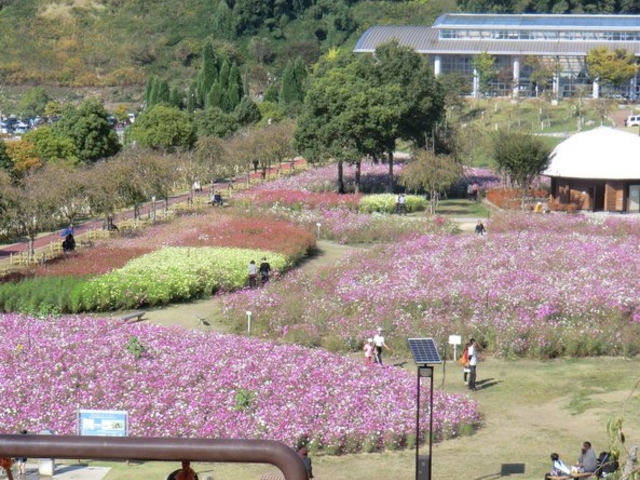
column 401, row 204
column 265, row 271
column 480, row 229
column 379, row 345
column 253, row 274
column 473, row 362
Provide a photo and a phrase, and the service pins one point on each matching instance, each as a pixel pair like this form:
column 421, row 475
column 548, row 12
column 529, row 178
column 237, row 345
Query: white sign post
column 248, row 321
column 455, row 340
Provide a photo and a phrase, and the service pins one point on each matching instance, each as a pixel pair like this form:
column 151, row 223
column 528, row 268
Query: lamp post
column 425, row 355
column 248, row 321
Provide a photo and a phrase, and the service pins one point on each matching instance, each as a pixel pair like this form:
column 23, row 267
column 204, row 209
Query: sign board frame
column 103, row 423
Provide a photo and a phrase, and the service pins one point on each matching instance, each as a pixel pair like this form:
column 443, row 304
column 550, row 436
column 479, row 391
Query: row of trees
column 57, row 194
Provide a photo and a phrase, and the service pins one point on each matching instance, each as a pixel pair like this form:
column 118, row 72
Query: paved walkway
column 65, row 472
column 44, row 240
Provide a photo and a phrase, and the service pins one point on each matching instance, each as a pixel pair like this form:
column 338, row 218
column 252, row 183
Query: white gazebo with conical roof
column 597, row 170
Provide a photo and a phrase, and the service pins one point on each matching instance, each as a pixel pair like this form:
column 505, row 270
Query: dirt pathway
column 205, row 314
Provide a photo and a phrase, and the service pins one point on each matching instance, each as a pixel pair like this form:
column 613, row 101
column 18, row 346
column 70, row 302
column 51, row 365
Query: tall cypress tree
column 223, row 78
column 215, row 97
column 288, row 87
column 192, row 98
column 208, row 73
column 236, row 88
column 148, row 94
column 163, row 92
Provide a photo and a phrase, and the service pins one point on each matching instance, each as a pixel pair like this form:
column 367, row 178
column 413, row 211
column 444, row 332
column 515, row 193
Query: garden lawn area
column 530, row 408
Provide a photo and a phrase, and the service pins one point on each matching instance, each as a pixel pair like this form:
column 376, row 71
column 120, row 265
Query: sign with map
column 103, row 423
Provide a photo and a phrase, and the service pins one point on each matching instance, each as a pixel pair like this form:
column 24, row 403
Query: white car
column 632, row 121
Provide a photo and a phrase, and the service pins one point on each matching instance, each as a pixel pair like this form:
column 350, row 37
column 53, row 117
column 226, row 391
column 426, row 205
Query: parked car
column 632, row 121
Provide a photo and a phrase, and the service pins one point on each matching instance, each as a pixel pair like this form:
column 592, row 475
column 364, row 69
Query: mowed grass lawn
column 530, row 408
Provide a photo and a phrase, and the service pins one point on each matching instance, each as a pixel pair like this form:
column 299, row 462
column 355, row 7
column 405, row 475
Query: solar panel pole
column 424, row 371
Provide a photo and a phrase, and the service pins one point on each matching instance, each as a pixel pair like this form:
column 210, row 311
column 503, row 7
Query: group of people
column 469, row 362
column 587, row 463
column 374, row 347
column 472, row 192
column 264, row 270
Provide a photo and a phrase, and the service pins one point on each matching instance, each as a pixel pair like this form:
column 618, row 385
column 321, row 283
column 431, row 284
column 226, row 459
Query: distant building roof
column 425, row 40
column 527, row 21
column 602, row 153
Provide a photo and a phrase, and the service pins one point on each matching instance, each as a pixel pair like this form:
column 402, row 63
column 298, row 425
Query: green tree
column 292, row 85
column 223, row 21
column 247, row 112
column 33, row 103
column 208, row 74
column 431, row 173
column 89, row 130
column 484, row 64
column 214, row 122
column 614, row 67
column 53, row 148
column 235, row 90
column 162, row 128
column 5, row 160
column 216, row 97
column 521, row 155
column 348, row 115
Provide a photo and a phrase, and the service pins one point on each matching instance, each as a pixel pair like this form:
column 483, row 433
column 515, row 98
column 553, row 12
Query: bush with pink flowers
column 180, row 383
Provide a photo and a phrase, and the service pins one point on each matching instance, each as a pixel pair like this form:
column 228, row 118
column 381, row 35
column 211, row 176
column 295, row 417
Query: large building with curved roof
column 597, row 170
column 560, row 42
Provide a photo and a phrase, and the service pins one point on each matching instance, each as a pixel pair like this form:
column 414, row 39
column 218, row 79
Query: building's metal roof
column 426, row 40
column 538, row 22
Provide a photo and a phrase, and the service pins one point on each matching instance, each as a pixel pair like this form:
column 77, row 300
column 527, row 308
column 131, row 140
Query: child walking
column 368, row 351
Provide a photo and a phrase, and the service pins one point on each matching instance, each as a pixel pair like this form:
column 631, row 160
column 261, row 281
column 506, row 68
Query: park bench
column 272, row 476
column 129, row 318
column 572, row 477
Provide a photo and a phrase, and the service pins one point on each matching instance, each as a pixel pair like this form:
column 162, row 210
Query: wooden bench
column 129, row 318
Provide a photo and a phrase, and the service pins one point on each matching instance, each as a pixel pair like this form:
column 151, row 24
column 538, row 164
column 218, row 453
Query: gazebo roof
column 601, row 153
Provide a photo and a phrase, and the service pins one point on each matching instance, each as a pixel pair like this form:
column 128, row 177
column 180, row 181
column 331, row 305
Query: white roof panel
column 602, row 153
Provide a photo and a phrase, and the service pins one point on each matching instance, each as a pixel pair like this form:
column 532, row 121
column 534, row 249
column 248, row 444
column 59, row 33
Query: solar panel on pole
column 424, row 351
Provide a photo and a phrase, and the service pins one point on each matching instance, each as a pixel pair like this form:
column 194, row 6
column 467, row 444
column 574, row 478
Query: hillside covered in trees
column 120, row 43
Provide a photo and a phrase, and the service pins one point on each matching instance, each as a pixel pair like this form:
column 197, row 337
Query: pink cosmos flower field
column 192, row 384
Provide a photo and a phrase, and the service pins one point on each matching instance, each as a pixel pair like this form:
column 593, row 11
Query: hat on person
column 379, row 329
column 369, row 340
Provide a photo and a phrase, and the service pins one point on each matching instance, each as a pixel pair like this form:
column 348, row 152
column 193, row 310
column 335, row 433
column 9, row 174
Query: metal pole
column 156, row 449
column 418, row 426
column 430, row 418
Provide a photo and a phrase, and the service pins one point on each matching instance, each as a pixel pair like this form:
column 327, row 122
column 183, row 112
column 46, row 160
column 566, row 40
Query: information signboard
column 103, row 423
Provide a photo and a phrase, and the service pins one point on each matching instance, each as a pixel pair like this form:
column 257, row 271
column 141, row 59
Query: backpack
column 464, row 358
column 607, row 464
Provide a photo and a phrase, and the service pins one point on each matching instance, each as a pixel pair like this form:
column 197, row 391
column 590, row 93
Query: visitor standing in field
column 265, row 270
column 464, row 361
column 401, row 204
column 253, row 274
column 379, row 345
column 368, row 351
column 473, row 362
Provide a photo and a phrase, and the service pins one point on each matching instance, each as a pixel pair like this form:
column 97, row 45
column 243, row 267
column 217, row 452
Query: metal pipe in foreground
column 165, row 449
